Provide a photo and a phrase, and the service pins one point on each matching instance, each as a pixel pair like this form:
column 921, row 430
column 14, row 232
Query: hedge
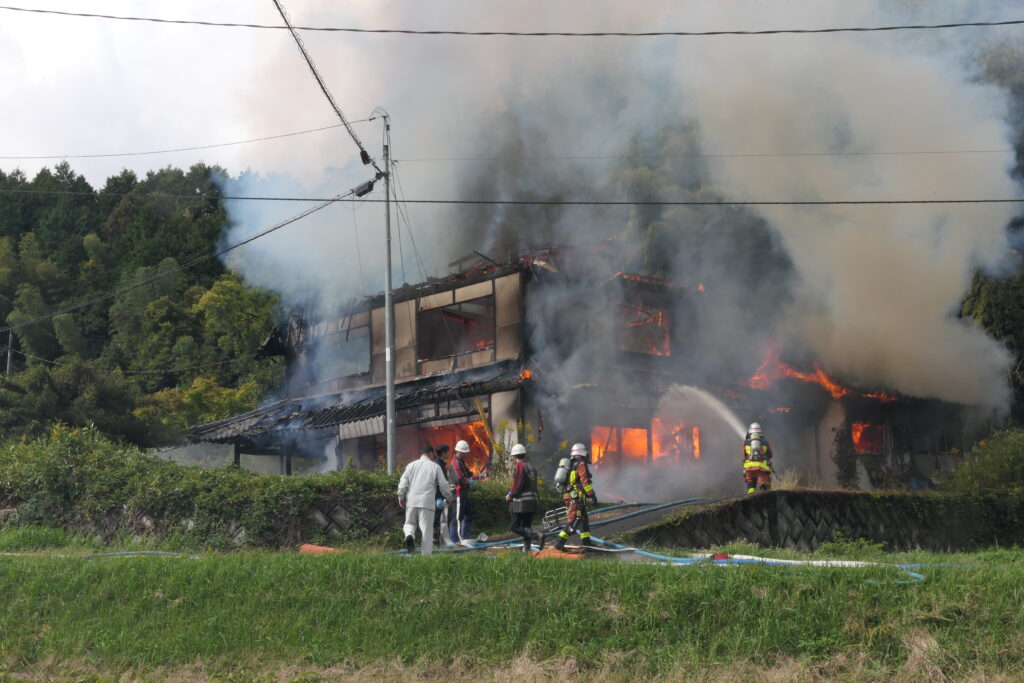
column 81, row 481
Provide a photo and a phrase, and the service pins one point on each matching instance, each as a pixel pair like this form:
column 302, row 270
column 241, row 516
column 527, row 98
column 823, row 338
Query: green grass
column 253, row 612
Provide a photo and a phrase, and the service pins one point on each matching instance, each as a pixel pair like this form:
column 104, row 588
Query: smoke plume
column 869, row 292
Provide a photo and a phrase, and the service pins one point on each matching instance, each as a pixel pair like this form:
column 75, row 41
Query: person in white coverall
column 420, row 482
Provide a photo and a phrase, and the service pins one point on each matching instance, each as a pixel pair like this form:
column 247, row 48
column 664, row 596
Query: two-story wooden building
column 557, row 343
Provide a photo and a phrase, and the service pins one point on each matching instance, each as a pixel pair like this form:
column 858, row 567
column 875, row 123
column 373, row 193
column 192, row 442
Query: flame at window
column 473, row 433
column 671, row 442
column 868, row 438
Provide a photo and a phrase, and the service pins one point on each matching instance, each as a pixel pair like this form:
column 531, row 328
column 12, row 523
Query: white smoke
column 876, row 289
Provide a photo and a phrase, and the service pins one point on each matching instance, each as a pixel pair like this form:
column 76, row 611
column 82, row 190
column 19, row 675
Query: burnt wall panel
column 508, row 316
column 474, row 291
column 436, row 300
column 430, row 367
column 505, row 408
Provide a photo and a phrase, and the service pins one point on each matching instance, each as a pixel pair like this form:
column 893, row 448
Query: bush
column 79, row 480
column 996, row 463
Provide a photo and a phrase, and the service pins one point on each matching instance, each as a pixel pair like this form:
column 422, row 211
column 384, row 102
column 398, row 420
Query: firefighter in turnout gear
column 578, row 490
column 757, row 460
column 523, row 499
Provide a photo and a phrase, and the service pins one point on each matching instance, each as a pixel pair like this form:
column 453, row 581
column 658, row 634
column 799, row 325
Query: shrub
column 996, row 463
column 80, row 480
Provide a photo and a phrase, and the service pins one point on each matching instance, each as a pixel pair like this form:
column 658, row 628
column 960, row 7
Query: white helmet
column 755, row 428
column 462, row 447
column 578, row 449
column 519, row 449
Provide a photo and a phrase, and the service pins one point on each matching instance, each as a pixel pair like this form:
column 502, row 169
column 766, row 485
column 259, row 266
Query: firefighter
column 461, row 478
column 578, row 489
column 523, row 499
column 757, row 460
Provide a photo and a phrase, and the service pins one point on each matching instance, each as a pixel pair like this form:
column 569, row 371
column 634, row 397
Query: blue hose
column 915, row 577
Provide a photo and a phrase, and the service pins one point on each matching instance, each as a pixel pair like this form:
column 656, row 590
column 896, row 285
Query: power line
column 602, row 157
column 527, row 34
column 535, row 202
column 367, row 159
column 180, row 149
column 42, row 360
column 172, row 271
column 190, row 367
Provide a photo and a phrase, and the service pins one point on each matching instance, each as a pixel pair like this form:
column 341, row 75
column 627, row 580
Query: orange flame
column 773, row 368
column 673, row 441
column 867, row 438
column 882, row 396
column 526, row 374
column 700, row 287
column 474, row 433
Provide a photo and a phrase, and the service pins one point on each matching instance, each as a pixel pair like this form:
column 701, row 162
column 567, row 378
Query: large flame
column 772, row 368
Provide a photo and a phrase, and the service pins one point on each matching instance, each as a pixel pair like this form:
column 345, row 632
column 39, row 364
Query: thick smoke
column 869, row 292
column 879, row 287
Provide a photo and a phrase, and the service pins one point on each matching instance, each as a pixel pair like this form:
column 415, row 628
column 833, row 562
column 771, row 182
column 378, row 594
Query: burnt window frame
column 632, row 297
column 450, row 340
column 325, row 341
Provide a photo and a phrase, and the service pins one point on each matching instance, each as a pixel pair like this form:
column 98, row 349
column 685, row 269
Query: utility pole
column 10, row 347
column 389, row 308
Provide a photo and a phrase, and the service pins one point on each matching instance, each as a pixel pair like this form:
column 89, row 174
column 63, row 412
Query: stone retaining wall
column 802, row 520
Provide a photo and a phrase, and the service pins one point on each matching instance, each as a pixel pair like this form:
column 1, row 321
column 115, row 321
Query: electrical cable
column 178, row 269
column 530, row 202
column 42, row 360
column 668, row 157
column 190, row 367
column 526, row 34
column 180, row 149
column 323, row 88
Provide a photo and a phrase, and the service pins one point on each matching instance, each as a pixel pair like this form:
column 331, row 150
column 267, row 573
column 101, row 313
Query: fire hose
column 733, row 560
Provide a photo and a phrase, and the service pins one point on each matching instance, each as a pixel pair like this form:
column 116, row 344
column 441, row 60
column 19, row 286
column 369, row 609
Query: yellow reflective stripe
column 585, row 534
column 588, row 488
column 563, row 534
column 756, row 465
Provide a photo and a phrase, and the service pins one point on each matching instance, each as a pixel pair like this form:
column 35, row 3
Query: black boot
column 587, row 542
column 410, row 544
column 540, row 542
column 560, row 543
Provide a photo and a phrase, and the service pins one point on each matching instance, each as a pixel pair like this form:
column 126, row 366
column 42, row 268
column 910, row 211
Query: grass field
column 284, row 616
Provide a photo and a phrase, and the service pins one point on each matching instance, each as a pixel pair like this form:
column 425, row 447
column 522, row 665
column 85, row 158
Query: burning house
column 468, row 367
column 559, row 346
